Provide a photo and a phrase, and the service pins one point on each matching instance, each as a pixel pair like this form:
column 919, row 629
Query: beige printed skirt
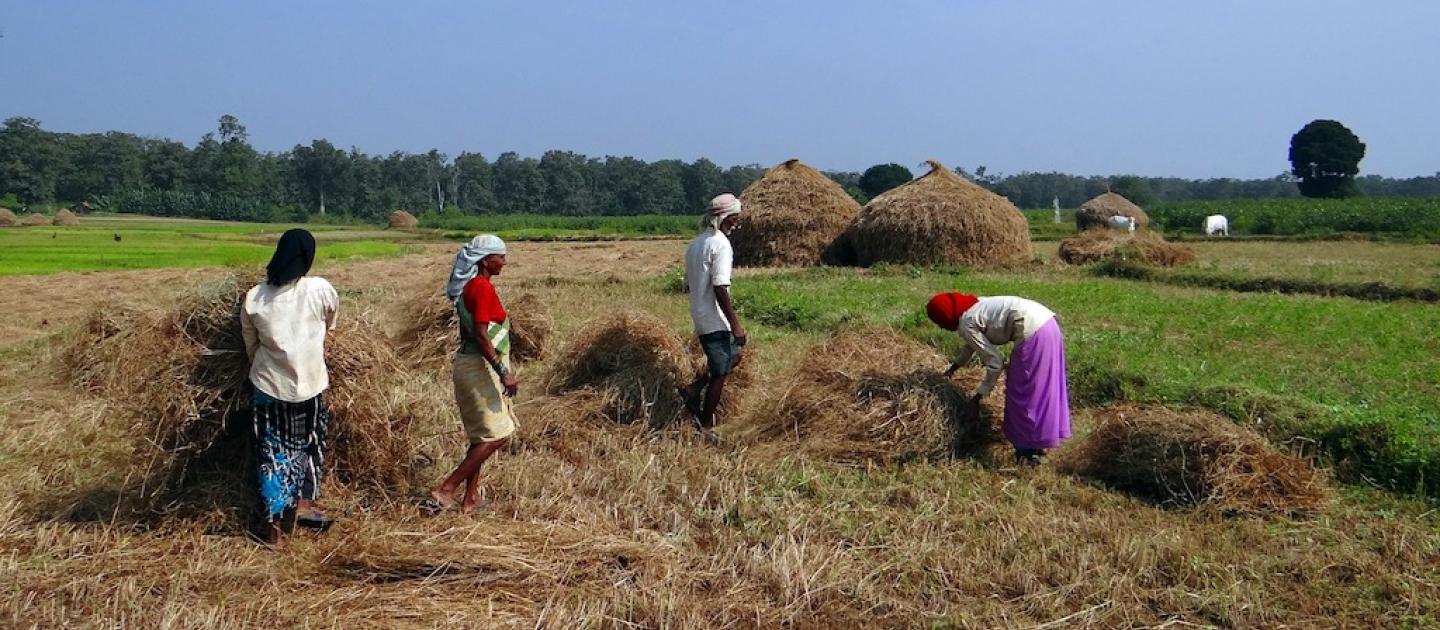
column 484, row 409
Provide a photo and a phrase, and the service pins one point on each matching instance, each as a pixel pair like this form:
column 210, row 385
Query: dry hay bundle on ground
column 35, row 218
column 793, row 214
column 403, row 220
column 873, row 394
column 1196, row 458
column 7, row 217
column 1146, row 247
column 179, row 379
column 66, row 217
column 432, row 333
column 1094, row 213
column 938, row 219
column 629, row 365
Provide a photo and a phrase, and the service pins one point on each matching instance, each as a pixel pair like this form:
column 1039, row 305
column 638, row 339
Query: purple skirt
column 1037, row 400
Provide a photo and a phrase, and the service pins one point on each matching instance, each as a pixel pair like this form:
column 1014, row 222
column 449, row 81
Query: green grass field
column 534, row 227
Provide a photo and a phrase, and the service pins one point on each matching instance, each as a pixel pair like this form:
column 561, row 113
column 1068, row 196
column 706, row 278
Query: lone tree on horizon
column 882, row 177
column 1325, row 156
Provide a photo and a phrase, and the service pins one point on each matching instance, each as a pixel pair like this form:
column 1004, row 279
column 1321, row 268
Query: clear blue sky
column 1175, row 87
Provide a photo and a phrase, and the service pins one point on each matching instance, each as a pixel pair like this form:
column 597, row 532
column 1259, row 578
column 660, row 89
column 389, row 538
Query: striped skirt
column 290, row 445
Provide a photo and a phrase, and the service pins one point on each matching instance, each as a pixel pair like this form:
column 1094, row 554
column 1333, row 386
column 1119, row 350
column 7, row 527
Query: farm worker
column 1037, row 401
column 707, row 279
column 283, row 322
column 484, row 382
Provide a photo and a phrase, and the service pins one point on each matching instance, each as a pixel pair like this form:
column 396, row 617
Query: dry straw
column 432, row 330
column 403, row 220
column 7, row 217
column 179, row 377
column 66, row 217
column 1194, row 458
column 1094, row 213
column 793, row 214
column 938, row 219
column 35, row 218
column 843, row 404
column 1147, row 247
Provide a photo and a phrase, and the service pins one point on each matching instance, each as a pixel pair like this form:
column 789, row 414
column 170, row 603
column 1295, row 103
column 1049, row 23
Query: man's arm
column 722, row 297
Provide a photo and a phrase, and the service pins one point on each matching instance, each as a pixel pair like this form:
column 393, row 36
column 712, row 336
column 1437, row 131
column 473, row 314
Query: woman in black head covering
column 284, row 321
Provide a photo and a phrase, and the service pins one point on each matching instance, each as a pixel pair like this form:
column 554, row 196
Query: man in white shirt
column 708, row 262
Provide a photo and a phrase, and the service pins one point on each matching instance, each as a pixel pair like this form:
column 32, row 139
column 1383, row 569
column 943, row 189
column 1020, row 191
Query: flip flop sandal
column 431, row 507
column 313, row 519
column 690, row 404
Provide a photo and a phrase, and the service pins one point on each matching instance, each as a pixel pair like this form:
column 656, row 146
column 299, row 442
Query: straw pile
column 7, row 217
column 1147, row 247
column 1196, row 459
column 842, row 404
column 793, row 214
column 179, row 378
column 403, row 220
column 35, row 218
column 66, row 217
column 937, row 219
column 432, row 332
column 1094, row 213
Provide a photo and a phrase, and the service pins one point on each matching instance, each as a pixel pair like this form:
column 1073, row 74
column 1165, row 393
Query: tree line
column 224, row 176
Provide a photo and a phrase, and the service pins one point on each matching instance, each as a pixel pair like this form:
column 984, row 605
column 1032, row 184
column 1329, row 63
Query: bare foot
column 469, row 503
column 444, row 500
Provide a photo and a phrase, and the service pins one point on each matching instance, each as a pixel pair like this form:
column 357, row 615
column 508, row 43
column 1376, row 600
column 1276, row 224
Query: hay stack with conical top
column 403, row 220
column 938, row 219
column 7, row 217
column 1094, row 213
column 35, row 218
column 66, row 217
column 793, row 214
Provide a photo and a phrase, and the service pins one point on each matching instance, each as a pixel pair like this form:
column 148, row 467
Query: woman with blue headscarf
column 484, row 383
column 283, row 322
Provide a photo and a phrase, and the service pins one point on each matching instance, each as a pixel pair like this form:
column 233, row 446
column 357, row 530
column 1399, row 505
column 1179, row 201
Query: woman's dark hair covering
column 293, row 256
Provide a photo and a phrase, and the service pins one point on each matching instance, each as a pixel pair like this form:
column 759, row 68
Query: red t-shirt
column 482, row 302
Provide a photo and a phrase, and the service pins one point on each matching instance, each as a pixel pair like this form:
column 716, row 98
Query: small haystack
column 402, row 220
column 35, row 218
column 66, row 217
column 632, row 363
column 793, row 214
column 1093, row 213
column 1196, row 458
column 938, row 219
column 1146, row 247
column 843, row 404
column 433, row 333
column 7, row 217
column 179, row 377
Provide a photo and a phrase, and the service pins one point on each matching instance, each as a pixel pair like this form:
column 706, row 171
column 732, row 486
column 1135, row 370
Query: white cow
column 1217, row 224
column 1121, row 223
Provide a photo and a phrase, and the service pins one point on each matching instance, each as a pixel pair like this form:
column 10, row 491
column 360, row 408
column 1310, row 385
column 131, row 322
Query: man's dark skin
column 716, row 384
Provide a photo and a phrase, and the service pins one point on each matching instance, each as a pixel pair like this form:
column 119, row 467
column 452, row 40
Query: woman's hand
column 511, row 385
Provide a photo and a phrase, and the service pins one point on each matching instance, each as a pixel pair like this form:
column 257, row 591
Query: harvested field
column 1196, row 459
column 1103, row 244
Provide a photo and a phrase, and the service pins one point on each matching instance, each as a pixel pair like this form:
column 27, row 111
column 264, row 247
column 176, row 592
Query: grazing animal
column 117, row 237
column 1217, row 224
column 1121, row 223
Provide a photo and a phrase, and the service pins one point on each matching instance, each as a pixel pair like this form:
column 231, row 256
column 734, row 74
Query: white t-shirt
column 284, row 329
column 707, row 265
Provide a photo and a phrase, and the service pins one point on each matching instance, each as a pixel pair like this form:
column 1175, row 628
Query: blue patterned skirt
column 290, row 441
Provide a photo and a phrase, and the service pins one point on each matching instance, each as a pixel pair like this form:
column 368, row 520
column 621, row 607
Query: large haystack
column 402, row 220
column 179, row 377
column 793, row 214
column 35, row 218
column 66, row 217
column 1195, row 458
column 843, row 404
column 938, row 219
column 1146, row 247
column 7, row 217
column 430, row 338
column 1093, row 213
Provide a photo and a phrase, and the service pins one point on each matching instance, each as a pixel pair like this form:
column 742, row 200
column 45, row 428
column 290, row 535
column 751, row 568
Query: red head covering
column 945, row 308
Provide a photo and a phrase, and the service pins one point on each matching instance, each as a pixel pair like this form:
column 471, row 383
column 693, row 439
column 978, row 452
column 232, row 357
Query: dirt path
column 36, row 306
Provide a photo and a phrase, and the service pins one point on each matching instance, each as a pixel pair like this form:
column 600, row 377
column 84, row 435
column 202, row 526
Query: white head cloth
column 721, row 207
column 467, row 262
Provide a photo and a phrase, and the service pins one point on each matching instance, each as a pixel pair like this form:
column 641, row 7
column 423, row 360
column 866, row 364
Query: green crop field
column 1394, row 217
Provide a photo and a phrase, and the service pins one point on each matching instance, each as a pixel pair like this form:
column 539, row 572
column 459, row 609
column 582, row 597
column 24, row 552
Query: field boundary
column 1371, row 291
